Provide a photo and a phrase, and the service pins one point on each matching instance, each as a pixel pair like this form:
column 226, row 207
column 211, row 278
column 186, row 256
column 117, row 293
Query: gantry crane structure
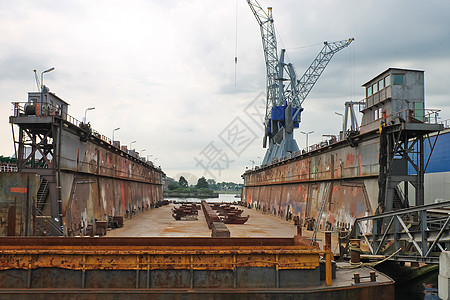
column 285, row 96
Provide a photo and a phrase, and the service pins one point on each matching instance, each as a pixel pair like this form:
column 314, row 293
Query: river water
column 422, row 288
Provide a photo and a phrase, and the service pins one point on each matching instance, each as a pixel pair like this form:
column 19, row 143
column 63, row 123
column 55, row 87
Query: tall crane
column 285, row 96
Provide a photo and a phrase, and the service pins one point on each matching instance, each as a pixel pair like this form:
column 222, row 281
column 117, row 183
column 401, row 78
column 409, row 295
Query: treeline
column 203, row 184
column 182, row 186
column 225, row 186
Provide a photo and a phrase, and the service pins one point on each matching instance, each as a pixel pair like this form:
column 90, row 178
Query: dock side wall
column 99, row 180
column 347, row 177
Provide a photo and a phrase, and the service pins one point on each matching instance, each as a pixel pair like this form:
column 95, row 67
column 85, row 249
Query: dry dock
column 154, row 256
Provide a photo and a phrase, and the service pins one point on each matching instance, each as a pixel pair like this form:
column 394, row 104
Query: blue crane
column 285, row 96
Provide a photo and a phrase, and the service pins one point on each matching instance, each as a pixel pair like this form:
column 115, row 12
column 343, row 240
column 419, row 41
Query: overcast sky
column 164, row 71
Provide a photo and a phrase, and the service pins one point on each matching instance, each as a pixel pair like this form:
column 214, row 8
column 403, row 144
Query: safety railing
column 47, row 225
column 420, row 229
column 426, row 116
column 446, row 123
column 20, row 109
column 6, row 167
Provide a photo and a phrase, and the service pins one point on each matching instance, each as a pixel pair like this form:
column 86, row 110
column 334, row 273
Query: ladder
column 326, row 194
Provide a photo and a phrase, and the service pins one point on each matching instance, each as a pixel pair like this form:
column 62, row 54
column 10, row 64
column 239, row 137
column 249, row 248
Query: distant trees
column 202, row 183
column 183, row 182
column 172, row 186
column 227, row 186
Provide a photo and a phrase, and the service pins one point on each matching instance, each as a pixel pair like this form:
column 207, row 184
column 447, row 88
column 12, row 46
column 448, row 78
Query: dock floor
column 160, row 223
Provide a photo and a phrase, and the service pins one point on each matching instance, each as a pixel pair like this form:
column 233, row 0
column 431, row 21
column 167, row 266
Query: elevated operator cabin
column 396, row 95
column 51, row 104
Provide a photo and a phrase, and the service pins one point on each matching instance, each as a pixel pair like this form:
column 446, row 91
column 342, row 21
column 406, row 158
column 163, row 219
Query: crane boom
column 307, row 81
column 285, row 96
column 269, row 42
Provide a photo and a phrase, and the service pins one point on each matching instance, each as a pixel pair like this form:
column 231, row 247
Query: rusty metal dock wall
column 100, row 180
column 83, row 176
column 346, row 176
column 16, row 213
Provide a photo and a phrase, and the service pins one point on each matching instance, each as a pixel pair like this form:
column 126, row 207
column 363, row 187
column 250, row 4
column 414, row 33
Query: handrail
column 7, row 167
column 54, row 110
column 50, row 224
column 420, row 226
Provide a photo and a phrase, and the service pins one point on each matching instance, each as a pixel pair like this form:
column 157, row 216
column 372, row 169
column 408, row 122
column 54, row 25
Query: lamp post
column 42, row 87
column 253, row 163
column 132, row 144
column 42, row 76
column 142, row 153
column 113, row 133
column 307, row 134
column 341, row 135
column 339, row 114
column 85, row 111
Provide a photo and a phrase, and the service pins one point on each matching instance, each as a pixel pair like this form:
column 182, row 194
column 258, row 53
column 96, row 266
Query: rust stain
column 122, row 195
column 359, row 164
column 350, row 159
column 197, row 258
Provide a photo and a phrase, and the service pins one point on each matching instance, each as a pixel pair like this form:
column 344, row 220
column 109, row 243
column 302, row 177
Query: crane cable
column 236, row 46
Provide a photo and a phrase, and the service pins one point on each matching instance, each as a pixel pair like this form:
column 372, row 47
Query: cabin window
column 398, row 79
column 387, row 80
column 369, row 91
column 375, row 88
column 419, row 111
column 381, row 84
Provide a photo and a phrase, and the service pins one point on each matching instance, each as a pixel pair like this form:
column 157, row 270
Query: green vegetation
column 181, row 189
column 10, row 160
column 203, row 188
column 225, row 187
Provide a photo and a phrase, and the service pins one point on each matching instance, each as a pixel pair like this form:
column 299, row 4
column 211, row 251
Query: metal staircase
column 399, row 199
column 44, row 223
column 42, row 194
column 47, row 225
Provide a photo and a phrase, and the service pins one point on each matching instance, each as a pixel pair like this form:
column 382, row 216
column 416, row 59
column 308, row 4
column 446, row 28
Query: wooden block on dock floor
column 219, row 229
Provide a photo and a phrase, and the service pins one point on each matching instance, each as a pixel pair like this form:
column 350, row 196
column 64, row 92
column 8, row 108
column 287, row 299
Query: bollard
column 298, row 224
column 299, row 230
column 356, row 278
column 373, row 277
column 355, row 251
